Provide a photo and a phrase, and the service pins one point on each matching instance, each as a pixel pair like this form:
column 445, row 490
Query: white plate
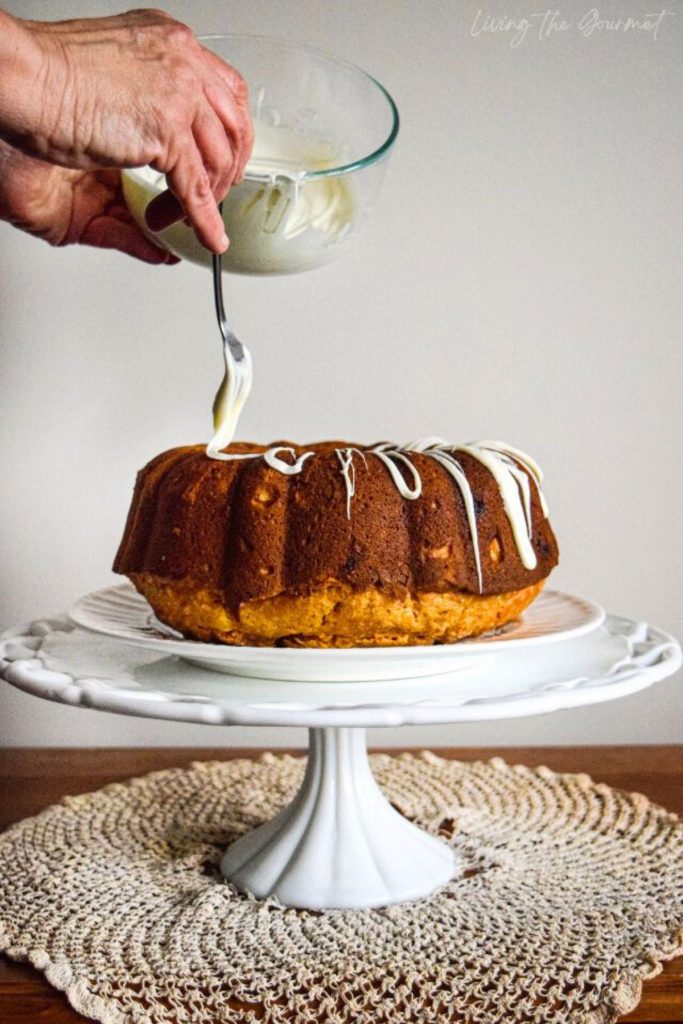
column 122, row 613
column 53, row 660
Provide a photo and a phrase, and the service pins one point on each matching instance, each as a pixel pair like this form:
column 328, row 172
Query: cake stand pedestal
column 339, row 843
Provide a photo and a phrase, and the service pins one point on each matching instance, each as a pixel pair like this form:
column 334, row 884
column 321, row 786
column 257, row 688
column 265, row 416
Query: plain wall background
column 521, row 279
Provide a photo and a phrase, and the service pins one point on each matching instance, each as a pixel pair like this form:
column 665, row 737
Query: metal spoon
column 236, row 383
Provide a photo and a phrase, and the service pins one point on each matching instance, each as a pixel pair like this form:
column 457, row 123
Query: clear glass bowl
column 323, row 132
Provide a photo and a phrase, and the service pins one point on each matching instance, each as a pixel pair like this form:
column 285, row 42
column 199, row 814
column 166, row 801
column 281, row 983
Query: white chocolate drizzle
column 525, row 460
column 348, row 468
column 390, row 456
column 229, row 401
column 511, row 469
column 272, row 458
column 452, row 466
column 513, row 484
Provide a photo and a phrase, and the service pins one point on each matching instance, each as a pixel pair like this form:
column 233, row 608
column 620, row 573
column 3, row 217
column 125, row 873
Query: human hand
column 64, row 206
column 129, row 90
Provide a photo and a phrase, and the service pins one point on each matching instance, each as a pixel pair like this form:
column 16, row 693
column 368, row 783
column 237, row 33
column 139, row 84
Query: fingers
column 218, row 151
column 236, row 122
column 219, row 163
column 222, row 137
column 111, row 233
column 231, row 78
column 230, row 106
column 190, row 184
column 245, row 152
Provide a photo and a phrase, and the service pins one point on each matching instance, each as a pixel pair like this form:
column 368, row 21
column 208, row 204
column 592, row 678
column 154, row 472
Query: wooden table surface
column 31, row 779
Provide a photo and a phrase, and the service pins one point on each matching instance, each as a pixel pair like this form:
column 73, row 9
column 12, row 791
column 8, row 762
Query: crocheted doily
column 571, row 895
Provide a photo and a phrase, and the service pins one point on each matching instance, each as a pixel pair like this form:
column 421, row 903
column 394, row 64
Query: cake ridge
column 248, row 529
column 511, row 468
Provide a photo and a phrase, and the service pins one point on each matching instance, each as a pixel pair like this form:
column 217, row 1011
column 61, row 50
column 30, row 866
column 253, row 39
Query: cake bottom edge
column 331, row 616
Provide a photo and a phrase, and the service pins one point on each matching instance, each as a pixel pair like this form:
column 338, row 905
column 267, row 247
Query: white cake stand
column 339, row 843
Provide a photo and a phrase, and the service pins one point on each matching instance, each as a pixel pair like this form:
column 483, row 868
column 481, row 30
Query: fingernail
column 224, row 243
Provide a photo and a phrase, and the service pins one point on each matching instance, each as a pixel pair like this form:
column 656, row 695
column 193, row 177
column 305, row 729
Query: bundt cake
column 338, row 545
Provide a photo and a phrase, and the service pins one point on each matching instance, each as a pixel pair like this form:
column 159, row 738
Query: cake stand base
column 339, row 843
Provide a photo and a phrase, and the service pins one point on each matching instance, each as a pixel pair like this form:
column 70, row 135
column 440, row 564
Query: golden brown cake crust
column 261, row 553
column 334, row 616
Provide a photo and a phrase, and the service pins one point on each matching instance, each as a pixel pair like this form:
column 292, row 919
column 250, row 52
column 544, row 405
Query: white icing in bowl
column 323, row 129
